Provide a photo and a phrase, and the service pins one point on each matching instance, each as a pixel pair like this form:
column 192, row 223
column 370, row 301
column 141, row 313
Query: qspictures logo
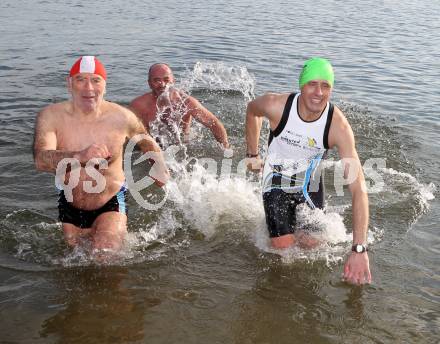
column 345, row 172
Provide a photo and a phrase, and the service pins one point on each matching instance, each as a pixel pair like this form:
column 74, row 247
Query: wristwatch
column 249, row 155
column 359, row 248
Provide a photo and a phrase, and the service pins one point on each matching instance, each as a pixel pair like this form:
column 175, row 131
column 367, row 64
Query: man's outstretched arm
column 357, row 266
column 208, row 119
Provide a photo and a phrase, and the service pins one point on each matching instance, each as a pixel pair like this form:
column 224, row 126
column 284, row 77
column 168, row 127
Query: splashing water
column 405, row 185
column 211, row 204
column 171, row 115
column 219, row 76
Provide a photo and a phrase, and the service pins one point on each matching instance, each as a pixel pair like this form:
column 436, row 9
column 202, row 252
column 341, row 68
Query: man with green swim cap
column 316, row 68
column 303, row 126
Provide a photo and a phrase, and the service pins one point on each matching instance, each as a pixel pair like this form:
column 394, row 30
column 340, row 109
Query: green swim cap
column 316, row 68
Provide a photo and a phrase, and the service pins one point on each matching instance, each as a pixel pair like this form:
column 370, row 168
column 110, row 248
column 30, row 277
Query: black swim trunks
column 280, row 209
column 85, row 218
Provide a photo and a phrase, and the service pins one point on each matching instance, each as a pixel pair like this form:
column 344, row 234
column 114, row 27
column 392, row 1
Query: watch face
column 359, row 248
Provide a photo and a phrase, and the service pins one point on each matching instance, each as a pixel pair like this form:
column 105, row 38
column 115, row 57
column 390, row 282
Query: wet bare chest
column 73, row 135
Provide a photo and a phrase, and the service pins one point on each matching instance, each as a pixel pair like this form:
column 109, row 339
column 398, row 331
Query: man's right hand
column 254, row 164
column 94, row 151
column 159, row 170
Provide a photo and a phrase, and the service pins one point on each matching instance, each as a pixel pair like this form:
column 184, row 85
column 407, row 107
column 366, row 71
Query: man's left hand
column 357, row 269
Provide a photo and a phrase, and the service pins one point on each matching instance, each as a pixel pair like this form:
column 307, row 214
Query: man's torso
column 165, row 123
column 75, row 134
column 295, row 148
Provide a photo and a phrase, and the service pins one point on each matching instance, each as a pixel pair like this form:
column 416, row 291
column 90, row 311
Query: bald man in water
column 173, row 108
column 82, row 140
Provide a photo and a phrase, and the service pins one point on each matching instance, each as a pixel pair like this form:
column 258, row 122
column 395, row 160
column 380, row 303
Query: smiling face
column 87, row 90
column 159, row 77
column 314, row 97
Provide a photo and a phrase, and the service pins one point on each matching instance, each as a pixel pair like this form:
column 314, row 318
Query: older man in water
column 173, row 109
column 81, row 140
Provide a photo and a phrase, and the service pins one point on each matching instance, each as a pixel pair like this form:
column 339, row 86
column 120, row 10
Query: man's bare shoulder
column 275, row 97
column 120, row 111
column 53, row 112
column 339, row 120
column 119, row 117
column 340, row 129
column 270, row 103
column 55, row 107
column 141, row 101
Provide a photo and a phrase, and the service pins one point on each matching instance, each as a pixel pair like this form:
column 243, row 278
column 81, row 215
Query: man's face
column 87, row 89
column 160, row 76
column 315, row 95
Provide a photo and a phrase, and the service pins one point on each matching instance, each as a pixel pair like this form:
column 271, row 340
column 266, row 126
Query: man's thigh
column 72, row 233
column 110, row 229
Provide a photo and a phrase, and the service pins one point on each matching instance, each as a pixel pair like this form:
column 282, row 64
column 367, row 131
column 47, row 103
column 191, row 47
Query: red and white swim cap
column 88, row 64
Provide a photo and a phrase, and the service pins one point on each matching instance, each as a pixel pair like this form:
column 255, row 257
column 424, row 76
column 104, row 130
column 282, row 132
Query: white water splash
column 219, row 76
column 407, row 185
column 208, row 203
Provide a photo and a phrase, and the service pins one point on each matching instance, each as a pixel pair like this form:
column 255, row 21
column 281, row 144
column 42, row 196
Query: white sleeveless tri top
column 295, row 149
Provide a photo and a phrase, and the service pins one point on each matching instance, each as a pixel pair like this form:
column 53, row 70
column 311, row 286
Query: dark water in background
column 199, row 269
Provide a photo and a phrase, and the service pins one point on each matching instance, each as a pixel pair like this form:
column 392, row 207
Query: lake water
column 199, row 269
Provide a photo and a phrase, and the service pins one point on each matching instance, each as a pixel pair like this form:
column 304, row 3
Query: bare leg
column 109, row 231
column 283, row 241
column 302, row 239
column 307, row 241
column 72, row 233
